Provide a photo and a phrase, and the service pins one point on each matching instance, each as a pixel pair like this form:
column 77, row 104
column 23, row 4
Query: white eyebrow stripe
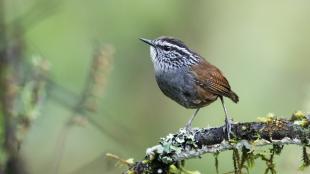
column 177, row 47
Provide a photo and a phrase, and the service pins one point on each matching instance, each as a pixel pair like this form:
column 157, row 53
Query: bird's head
column 169, row 53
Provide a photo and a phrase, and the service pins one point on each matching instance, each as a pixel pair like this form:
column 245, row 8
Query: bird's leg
column 227, row 120
column 188, row 125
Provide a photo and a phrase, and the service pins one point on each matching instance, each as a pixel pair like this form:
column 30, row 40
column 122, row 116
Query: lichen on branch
column 183, row 145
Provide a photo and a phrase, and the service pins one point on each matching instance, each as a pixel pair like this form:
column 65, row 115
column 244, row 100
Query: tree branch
column 183, row 145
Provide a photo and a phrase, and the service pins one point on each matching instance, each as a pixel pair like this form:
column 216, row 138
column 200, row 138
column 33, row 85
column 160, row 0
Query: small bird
column 187, row 78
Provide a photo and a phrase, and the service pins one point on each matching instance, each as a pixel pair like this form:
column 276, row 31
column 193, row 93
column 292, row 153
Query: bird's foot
column 188, row 127
column 228, row 123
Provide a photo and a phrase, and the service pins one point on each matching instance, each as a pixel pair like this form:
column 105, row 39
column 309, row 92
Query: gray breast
column 178, row 85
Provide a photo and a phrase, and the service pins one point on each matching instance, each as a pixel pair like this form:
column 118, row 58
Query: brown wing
column 212, row 80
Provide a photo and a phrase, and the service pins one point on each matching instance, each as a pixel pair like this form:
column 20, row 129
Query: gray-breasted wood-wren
column 187, row 78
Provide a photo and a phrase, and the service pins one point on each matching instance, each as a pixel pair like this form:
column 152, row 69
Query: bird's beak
column 149, row 42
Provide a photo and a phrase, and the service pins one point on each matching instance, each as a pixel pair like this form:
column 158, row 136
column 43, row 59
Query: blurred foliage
column 261, row 46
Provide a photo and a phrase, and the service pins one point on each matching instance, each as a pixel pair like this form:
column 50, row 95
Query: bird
column 187, row 78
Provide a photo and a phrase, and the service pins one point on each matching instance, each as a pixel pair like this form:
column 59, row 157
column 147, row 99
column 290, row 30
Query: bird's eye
column 167, row 48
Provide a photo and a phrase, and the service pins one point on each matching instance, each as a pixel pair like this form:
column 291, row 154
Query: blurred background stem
column 2, row 61
column 10, row 60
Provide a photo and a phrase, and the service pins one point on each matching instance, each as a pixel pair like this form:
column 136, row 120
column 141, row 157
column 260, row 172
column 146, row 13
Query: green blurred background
column 261, row 46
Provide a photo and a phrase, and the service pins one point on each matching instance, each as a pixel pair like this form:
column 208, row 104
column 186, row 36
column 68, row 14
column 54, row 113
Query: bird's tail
column 234, row 97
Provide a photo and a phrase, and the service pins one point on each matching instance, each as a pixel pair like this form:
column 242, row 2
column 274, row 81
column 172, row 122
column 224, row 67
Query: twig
column 88, row 101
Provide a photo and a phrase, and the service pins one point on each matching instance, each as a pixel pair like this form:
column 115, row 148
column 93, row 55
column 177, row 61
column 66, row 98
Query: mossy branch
column 183, row 145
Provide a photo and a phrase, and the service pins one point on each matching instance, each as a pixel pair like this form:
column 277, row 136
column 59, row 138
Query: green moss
column 305, row 159
column 299, row 118
column 216, row 162
column 270, row 117
column 299, row 115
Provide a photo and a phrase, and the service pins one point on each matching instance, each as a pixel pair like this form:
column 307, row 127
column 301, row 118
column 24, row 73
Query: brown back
column 211, row 79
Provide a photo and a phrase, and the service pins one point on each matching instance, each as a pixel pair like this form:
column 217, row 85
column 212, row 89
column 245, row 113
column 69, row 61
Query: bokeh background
column 261, row 46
